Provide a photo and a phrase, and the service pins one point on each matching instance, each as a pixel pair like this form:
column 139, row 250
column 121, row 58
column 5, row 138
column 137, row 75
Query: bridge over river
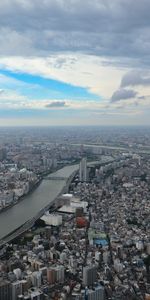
column 54, row 178
column 20, row 217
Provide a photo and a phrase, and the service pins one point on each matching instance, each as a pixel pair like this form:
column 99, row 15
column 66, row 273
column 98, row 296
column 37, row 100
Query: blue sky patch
column 40, row 88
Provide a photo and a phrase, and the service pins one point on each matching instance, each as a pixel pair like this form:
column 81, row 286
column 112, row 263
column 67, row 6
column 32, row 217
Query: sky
column 74, row 62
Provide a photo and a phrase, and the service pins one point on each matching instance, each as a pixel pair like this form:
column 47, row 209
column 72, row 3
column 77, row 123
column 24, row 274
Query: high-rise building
column 96, row 294
column 51, row 276
column 37, row 278
column 83, row 174
column 5, row 290
column 55, row 274
column 2, row 153
column 91, row 294
column 89, row 275
column 60, row 270
column 16, row 289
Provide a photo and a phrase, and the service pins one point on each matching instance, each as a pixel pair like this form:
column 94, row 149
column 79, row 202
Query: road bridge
column 55, row 178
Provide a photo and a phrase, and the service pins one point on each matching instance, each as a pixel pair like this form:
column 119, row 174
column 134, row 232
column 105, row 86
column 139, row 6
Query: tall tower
column 5, row 290
column 89, row 275
column 83, row 174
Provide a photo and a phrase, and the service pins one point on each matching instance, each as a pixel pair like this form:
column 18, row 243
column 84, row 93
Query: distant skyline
column 71, row 62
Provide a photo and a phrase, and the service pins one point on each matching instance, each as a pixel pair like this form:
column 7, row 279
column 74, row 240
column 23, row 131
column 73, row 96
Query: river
column 29, row 207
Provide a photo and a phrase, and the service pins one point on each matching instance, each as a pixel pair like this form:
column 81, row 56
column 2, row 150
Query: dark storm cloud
column 142, row 97
column 119, row 29
column 123, row 94
column 56, row 104
column 135, row 78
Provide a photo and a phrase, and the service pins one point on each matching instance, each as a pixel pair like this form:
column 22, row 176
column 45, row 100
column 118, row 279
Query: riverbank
column 35, row 203
column 31, row 190
column 26, row 212
column 29, row 224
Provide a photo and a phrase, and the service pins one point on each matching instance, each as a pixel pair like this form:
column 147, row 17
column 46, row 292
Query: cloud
column 136, row 78
column 142, row 97
column 56, row 104
column 87, row 44
column 115, row 113
column 123, row 94
column 12, row 99
column 49, row 26
column 1, row 91
column 76, row 69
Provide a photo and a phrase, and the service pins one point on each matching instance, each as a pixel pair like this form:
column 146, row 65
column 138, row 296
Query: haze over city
column 74, row 62
column 74, row 150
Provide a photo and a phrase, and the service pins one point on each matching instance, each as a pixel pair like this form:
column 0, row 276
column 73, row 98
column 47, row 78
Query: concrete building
column 89, row 275
column 60, row 272
column 16, row 289
column 97, row 294
column 51, row 276
column 36, row 279
column 83, row 174
column 5, row 290
column 52, row 219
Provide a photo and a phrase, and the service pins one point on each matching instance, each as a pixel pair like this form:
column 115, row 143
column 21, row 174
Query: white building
column 52, row 219
column 36, row 278
column 83, row 174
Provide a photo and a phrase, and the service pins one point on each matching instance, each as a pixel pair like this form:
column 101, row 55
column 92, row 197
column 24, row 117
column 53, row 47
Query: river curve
column 29, row 207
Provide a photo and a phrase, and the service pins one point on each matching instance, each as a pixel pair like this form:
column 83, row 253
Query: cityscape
column 74, row 150
column 74, row 219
